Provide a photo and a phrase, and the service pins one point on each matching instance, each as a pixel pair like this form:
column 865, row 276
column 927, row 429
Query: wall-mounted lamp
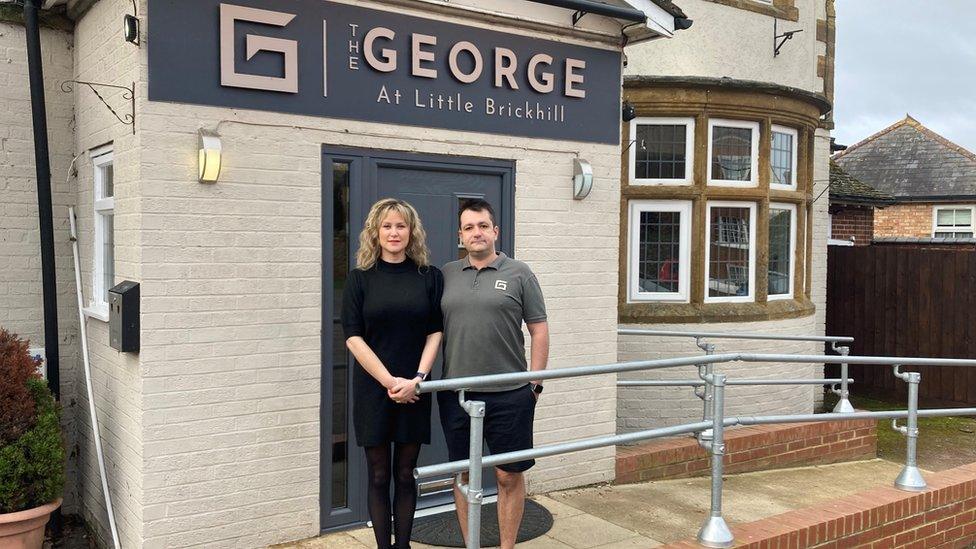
column 627, row 112
column 209, row 156
column 130, row 26
column 130, row 29
column 582, row 178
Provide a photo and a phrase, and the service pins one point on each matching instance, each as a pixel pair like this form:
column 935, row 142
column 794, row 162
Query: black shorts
column 508, row 424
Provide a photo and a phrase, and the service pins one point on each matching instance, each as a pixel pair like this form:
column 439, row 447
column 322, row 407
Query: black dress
column 393, row 307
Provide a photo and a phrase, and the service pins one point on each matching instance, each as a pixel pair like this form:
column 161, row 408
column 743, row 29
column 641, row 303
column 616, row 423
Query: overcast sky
column 906, row 56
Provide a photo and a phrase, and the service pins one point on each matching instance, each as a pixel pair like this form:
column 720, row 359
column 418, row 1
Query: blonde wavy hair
column 369, row 243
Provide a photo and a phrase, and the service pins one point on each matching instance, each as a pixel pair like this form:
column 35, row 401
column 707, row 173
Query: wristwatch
column 536, row 388
column 421, row 375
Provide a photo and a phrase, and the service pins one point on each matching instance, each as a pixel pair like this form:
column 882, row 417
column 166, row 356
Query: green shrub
column 32, row 464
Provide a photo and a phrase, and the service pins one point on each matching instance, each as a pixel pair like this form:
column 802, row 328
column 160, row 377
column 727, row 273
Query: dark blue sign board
column 319, row 58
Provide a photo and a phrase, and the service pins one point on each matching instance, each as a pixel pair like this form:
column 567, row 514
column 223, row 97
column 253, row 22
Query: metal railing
column 714, row 531
column 839, row 387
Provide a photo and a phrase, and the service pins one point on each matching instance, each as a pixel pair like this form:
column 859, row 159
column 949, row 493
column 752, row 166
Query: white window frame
column 102, row 207
column 754, row 153
column 792, row 274
column 935, row 218
column 689, row 124
column 796, row 143
column 751, row 297
column 684, row 208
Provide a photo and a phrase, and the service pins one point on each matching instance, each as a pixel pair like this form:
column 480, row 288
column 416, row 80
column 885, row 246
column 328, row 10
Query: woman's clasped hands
column 404, row 391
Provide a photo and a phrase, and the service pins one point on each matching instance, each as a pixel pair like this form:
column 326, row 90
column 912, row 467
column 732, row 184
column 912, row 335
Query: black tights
column 404, row 492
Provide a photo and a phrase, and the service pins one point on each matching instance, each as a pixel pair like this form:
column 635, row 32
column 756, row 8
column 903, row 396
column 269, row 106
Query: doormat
column 443, row 529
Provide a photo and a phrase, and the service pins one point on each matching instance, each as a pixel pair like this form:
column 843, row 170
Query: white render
column 733, row 42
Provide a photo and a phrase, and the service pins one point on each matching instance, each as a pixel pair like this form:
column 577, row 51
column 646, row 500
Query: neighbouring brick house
column 852, row 207
column 931, row 179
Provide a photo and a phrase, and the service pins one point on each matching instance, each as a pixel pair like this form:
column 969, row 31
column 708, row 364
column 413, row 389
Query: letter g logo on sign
column 229, row 76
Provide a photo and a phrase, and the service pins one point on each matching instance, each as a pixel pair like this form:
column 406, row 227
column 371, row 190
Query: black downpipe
column 44, row 208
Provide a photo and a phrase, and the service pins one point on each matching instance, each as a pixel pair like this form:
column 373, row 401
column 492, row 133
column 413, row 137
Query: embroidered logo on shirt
column 501, row 285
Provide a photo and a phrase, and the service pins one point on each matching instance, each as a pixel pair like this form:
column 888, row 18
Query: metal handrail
column 459, row 466
column 714, row 532
column 696, row 383
column 843, row 391
column 500, row 380
column 735, row 335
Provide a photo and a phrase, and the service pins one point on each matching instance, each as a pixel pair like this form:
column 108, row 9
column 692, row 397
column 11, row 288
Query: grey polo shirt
column 483, row 314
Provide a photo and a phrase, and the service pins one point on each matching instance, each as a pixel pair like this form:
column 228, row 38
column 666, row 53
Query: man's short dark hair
column 476, row 205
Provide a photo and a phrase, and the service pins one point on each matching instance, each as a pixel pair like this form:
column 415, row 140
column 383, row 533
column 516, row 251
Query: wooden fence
column 906, row 301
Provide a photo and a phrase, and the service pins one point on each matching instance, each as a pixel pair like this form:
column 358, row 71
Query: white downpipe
column 88, row 384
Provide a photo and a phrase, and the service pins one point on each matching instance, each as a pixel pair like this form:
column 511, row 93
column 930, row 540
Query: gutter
column 599, row 8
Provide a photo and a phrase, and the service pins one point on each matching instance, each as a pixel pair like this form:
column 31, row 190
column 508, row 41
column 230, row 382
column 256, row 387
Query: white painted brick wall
column 232, row 366
column 21, row 298
column 821, row 223
column 102, row 56
column 641, row 408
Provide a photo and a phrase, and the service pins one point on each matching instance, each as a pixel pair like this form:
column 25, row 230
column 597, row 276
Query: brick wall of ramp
column 751, row 449
column 944, row 516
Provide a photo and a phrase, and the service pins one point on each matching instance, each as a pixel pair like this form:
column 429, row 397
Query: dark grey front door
column 353, row 179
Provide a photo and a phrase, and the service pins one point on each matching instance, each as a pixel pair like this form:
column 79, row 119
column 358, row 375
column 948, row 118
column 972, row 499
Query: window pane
column 108, row 252
column 340, row 356
column 108, row 181
column 660, row 151
column 964, row 217
column 731, row 153
column 945, row 218
column 728, row 265
column 780, row 259
column 658, row 267
column 782, row 158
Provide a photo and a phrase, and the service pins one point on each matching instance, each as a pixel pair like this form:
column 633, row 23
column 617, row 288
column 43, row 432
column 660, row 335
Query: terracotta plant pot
column 25, row 529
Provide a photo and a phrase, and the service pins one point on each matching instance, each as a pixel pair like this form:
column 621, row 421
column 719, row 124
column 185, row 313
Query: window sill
column 688, row 313
column 98, row 313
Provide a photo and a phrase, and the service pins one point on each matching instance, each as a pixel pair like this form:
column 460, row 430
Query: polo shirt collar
column 493, row 265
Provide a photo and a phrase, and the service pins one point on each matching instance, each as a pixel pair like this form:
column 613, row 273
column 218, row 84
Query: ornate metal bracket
column 777, row 43
column 127, row 93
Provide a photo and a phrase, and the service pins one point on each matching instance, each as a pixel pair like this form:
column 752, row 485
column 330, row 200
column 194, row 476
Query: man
column 487, row 296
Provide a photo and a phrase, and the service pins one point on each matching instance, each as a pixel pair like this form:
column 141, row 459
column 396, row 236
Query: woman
column 391, row 317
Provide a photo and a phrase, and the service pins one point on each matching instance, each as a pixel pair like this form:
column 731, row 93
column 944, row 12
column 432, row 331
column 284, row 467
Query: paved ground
column 646, row 515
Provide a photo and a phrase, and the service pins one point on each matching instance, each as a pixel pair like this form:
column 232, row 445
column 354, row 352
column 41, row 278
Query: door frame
column 364, row 164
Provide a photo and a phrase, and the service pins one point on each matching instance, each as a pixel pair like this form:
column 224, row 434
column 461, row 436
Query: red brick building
column 852, row 208
column 931, row 180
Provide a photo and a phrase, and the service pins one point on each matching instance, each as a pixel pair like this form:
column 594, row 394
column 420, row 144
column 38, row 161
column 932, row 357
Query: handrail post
column 473, row 492
column 910, row 479
column 844, row 404
column 704, row 371
column 715, row 532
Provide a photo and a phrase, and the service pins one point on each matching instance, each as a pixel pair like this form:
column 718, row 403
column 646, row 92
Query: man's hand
column 404, row 391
